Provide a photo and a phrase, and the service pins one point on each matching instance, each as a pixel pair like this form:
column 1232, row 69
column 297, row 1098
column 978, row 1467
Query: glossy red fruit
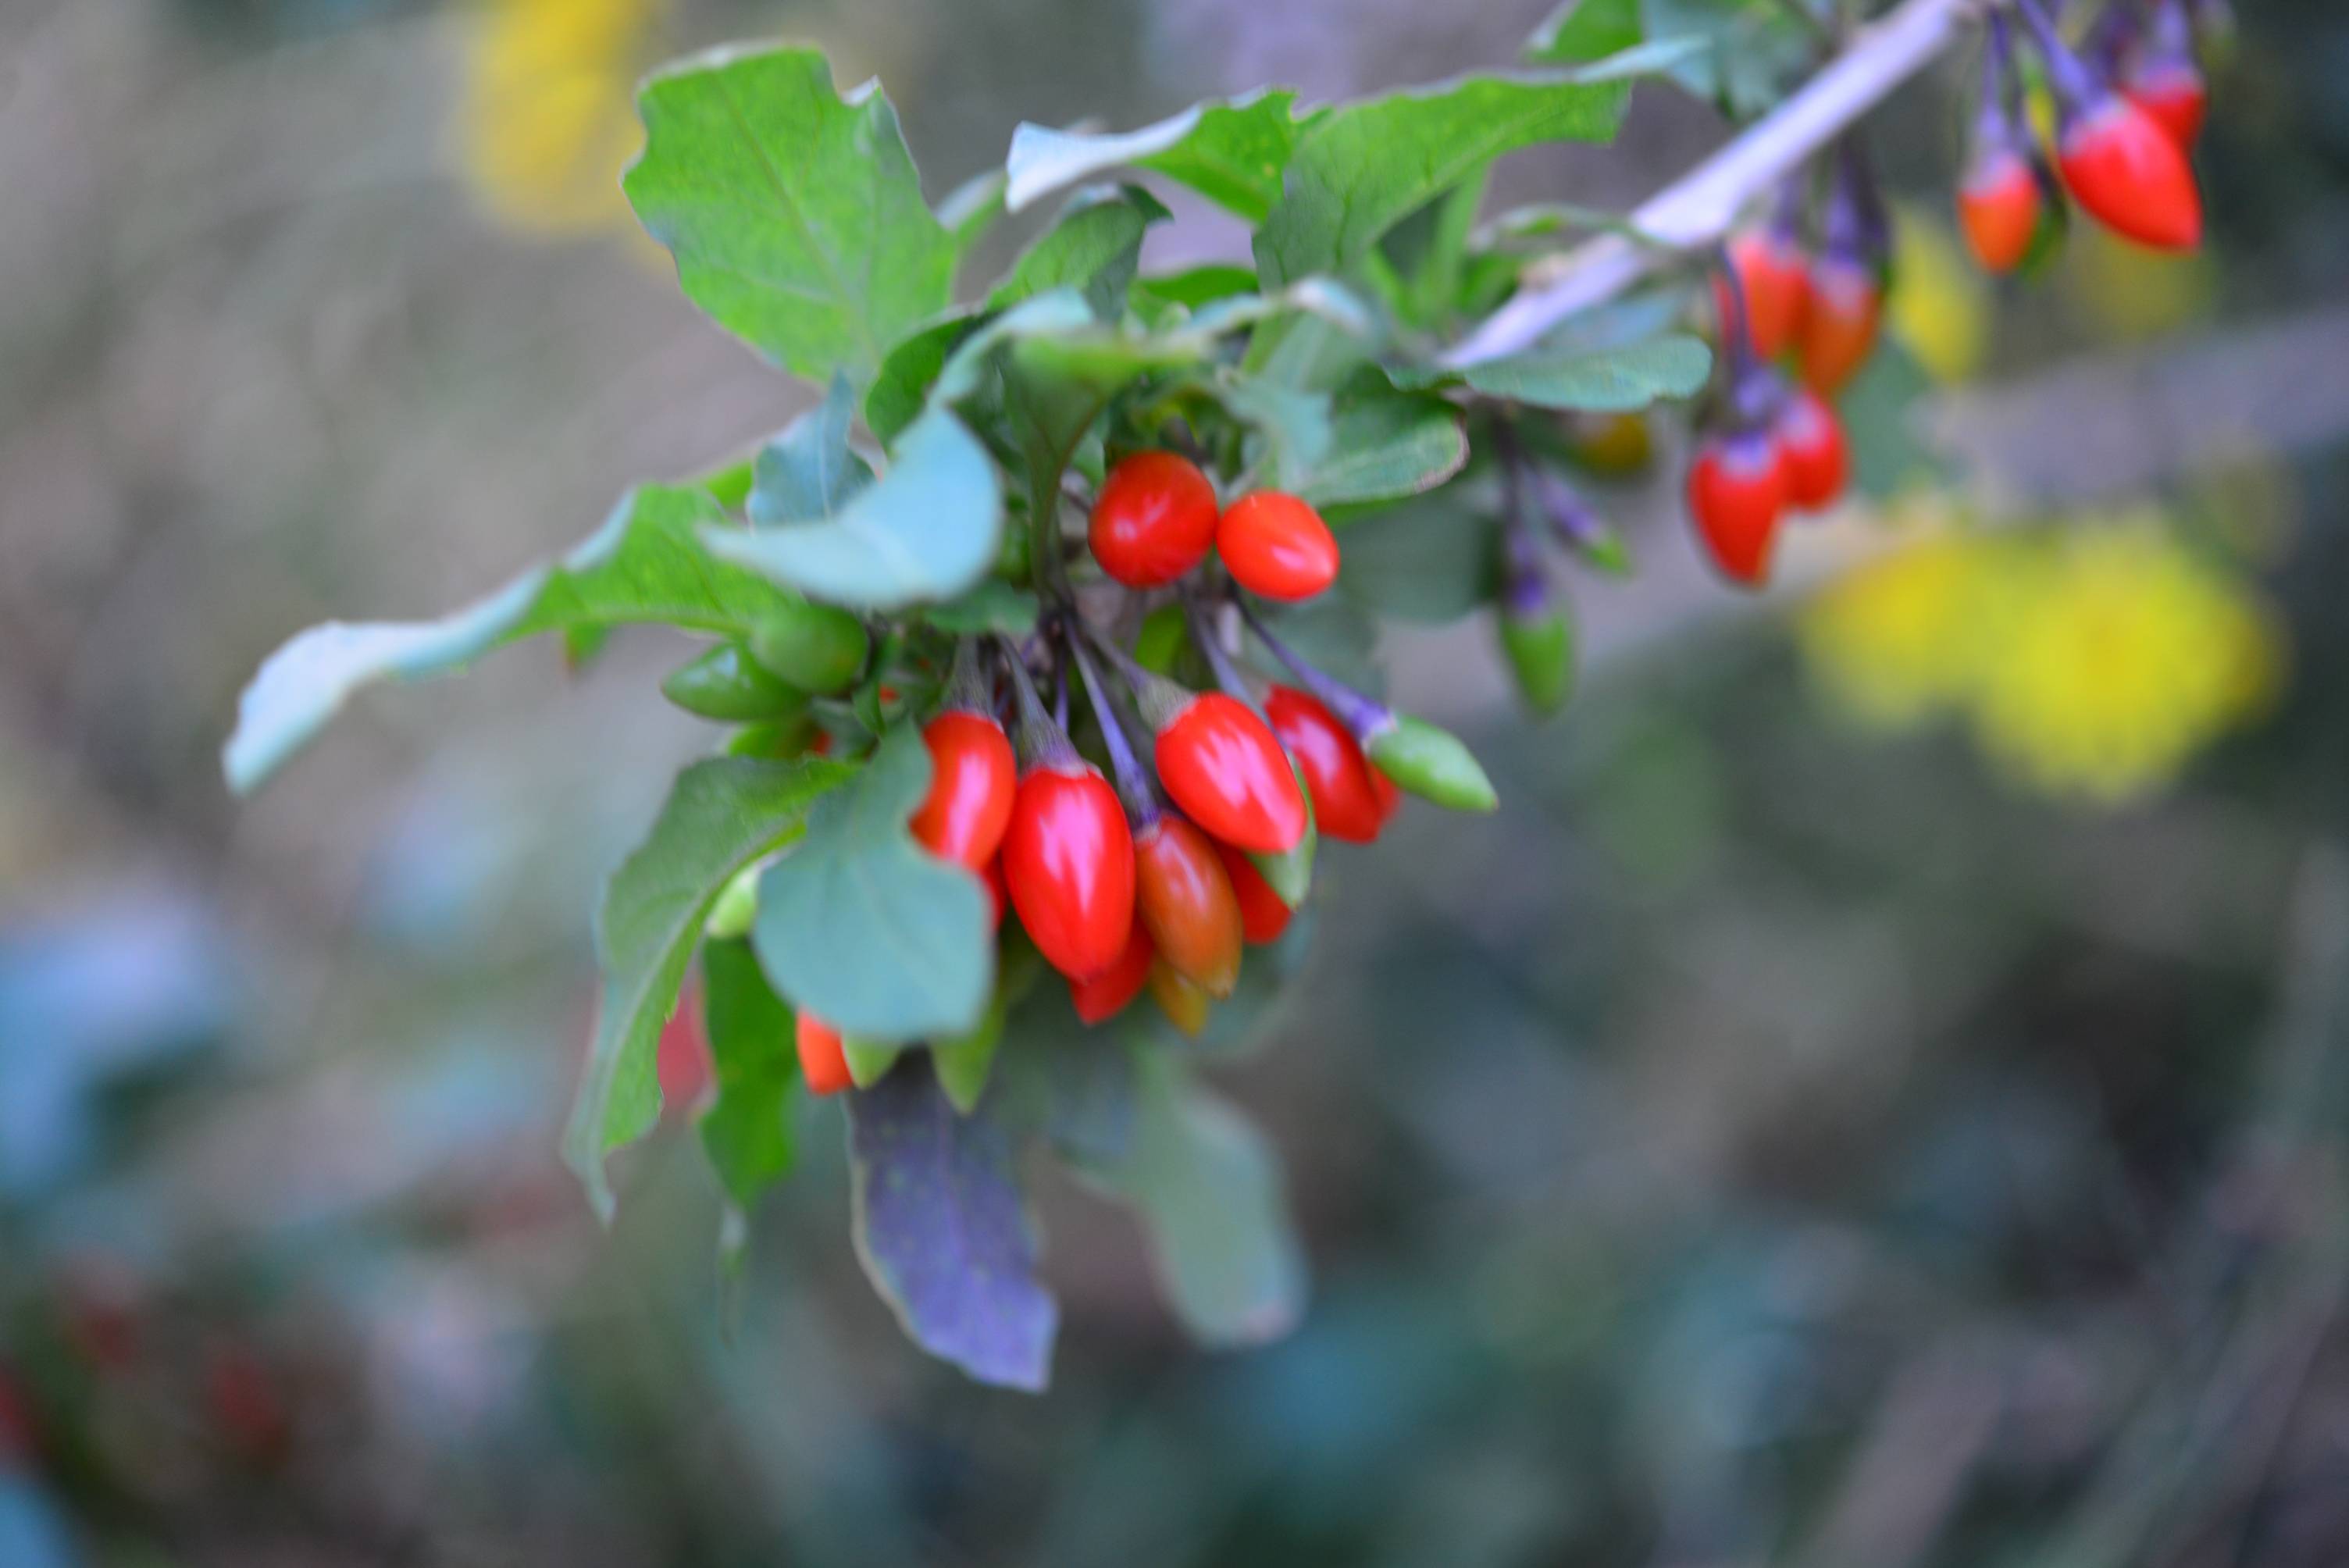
column 1068, row 861
column 1736, row 489
column 822, row 1063
column 1275, row 545
column 1154, row 521
column 973, row 777
column 2128, row 174
column 1108, row 993
column 1815, row 460
column 1228, row 772
column 1390, row 795
column 1774, row 276
column 1839, row 327
column 1346, row 800
column 1997, row 207
column 1184, row 897
column 1263, row 917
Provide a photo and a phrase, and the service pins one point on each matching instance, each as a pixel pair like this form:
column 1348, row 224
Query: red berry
column 1775, row 281
column 1105, row 996
column 1346, row 799
column 1068, row 860
column 1816, row 461
column 1275, row 545
column 822, row 1063
column 1154, row 521
column 682, row 1058
column 1998, row 206
column 973, row 777
column 1839, row 328
column 1736, row 489
column 1184, row 896
column 1228, row 772
column 1263, row 917
column 2126, row 171
column 2178, row 102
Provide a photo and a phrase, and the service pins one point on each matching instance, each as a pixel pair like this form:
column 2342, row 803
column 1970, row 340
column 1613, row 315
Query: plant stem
column 1358, row 713
column 1132, row 778
column 1698, row 208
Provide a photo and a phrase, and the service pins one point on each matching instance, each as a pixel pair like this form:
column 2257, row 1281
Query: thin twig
column 1698, row 208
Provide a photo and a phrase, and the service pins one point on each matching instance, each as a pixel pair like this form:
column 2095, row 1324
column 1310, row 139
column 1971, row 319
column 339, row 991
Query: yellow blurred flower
column 1939, row 307
column 2094, row 659
column 547, row 122
column 2133, row 657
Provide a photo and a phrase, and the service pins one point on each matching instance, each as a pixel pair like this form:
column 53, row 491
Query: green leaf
column 1580, row 31
column 1095, row 247
column 1888, row 454
column 644, row 564
column 963, row 1065
column 972, row 208
column 1612, row 380
column 1429, row 559
column 747, row 1130
column 795, row 214
column 1295, row 425
column 1195, row 287
column 1387, row 446
column 1366, row 165
column 866, row 929
column 1232, row 152
column 1741, row 52
column 721, row 815
column 943, row 1232
column 808, row 474
column 927, row 530
column 1210, row 1196
column 901, row 390
column 994, row 605
column 1428, row 248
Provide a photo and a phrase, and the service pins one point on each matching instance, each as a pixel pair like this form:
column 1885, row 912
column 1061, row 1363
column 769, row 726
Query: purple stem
column 1233, row 683
column 1039, row 740
column 1358, row 713
column 2077, row 87
column 1132, row 780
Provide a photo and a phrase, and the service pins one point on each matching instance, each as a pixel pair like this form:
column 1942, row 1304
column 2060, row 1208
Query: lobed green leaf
column 1233, row 152
column 795, row 214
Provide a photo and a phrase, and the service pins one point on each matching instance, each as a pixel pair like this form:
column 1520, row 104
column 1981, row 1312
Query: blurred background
column 1876, row 1096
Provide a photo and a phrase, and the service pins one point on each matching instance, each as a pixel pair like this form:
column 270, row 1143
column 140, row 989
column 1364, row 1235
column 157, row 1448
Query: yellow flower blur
column 547, row 120
column 2093, row 660
column 1938, row 306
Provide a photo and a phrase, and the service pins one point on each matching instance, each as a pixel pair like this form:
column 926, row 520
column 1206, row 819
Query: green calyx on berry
column 1421, row 758
column 727, row 685
column 737, row 906
column 819, row 648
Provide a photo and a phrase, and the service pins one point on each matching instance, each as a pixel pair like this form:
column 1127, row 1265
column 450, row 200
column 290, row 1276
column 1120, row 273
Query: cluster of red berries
column 2127, row 116
column 2128, row 112
column 1160, row 880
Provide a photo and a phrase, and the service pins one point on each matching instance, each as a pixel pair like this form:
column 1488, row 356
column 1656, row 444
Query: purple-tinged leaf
column 943, row 1229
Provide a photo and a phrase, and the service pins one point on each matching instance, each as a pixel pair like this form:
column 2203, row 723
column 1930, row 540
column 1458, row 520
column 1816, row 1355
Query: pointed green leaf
column 1580, row 31
column 720, row 816
column 866, row 929
column 809, row 472
column 972, row 208
column 927, row 530
column 1231, row 152
column 644, row 564
column 795, row 214
column 1210, row 1195
column 1365, row 166
column 1617, row 380
column 1428, row 558
column 1387, row 446
column 746, row 1129
column 1094, row 247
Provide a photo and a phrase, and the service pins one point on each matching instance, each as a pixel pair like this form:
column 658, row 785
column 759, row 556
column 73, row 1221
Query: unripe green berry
column 727, row 685
column 1430, row 763
column 1540, row 650
column 818, row 648
column 737, row 907
column 1290, row 872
